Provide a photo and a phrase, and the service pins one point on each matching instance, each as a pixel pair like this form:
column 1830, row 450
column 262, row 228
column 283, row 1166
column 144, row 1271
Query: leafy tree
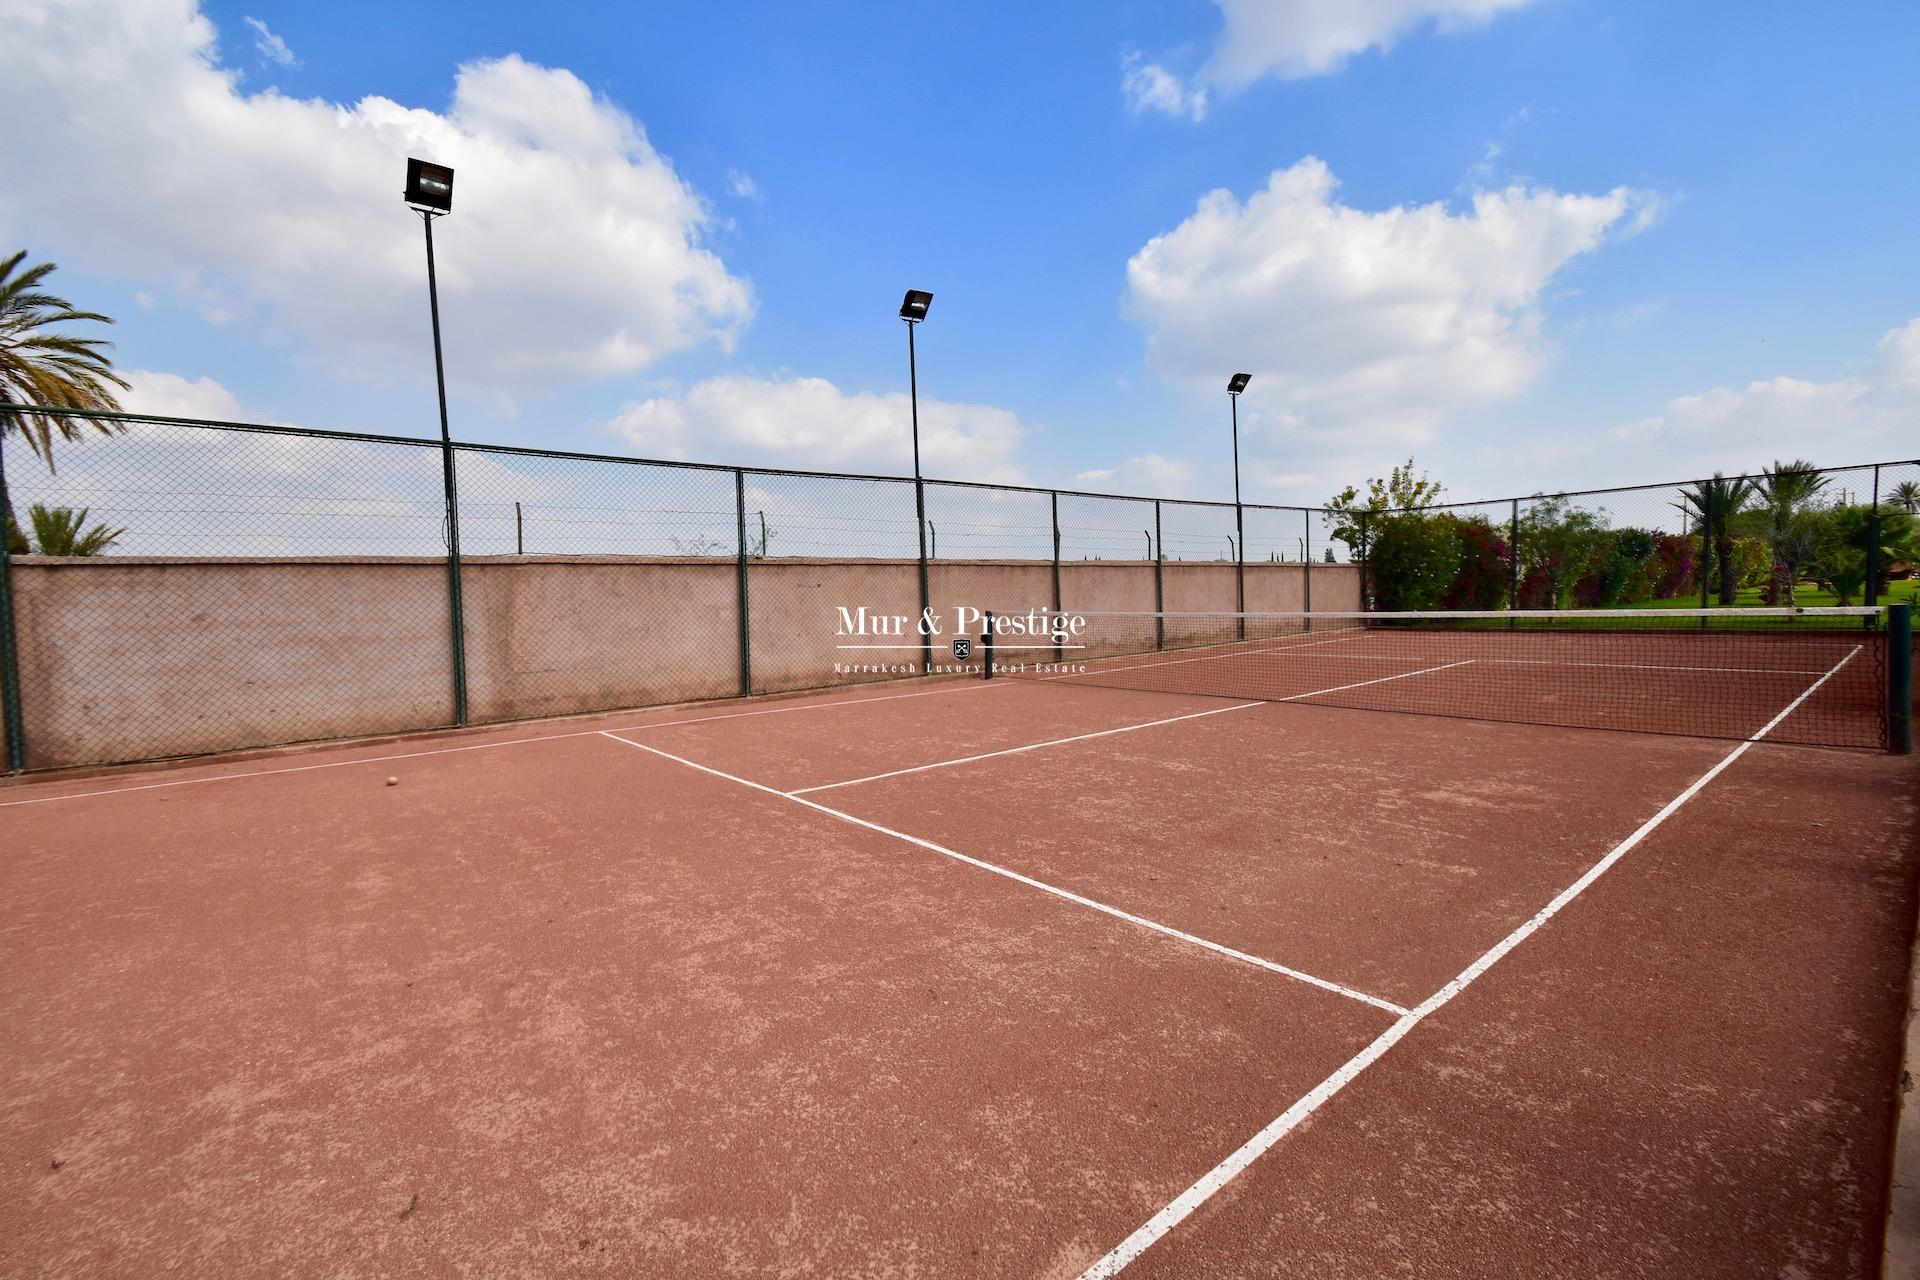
column 1617, row 569
column 1412, row 559
column 1557, row 542
column 1720, row 498
column 63, row 531
column 1906, row 496
column 1353, row 517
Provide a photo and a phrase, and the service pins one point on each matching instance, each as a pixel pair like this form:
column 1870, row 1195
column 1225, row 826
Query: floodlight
column 913, row 308
column 1238, row 383
column 429, row 185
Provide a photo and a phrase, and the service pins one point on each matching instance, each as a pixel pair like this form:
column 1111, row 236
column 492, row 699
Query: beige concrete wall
column 548, row 635
column 127, row 658
column 793, row 612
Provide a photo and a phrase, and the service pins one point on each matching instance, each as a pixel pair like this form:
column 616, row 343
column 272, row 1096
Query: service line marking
column 485, row 746
column 1217, row 1177
column 1014, row 751
column 1216, row 657
column 1058, row 892
column 1106, row 733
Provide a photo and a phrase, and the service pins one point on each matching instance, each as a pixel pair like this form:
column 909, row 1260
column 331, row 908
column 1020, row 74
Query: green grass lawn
column 1807, row 597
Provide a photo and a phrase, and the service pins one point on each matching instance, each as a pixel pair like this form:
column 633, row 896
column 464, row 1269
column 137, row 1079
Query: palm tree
column 1713, row 504
column 62, row 531
column 1906, row 496
column 45, row 369
column 51, row 370
column 1786, row 490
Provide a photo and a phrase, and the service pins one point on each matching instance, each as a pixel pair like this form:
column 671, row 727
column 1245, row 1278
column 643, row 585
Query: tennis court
column 1445, row 952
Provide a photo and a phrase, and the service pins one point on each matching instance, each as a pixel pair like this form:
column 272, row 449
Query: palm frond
column 40, row 368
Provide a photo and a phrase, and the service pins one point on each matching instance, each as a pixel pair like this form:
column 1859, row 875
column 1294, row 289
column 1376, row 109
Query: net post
column 1900, row 678
column 1306, row 567
column 1513, row 563
column 986, row 646
column 740, row 576
column 16, row 753
column 1054, row 501
column 1159, row 582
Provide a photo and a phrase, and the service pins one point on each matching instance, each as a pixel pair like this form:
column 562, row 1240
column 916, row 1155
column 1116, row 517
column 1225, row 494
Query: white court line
column 483, row 746
column 1256, row 1146
column 1105, row 733
column 1014, row 751
column 1654, row 666
column 1029, row 881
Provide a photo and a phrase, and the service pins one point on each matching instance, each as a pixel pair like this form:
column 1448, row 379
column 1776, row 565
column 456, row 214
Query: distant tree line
column 1774, row 534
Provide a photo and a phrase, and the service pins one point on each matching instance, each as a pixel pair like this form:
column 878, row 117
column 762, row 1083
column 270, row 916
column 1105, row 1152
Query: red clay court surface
column 1008, row 979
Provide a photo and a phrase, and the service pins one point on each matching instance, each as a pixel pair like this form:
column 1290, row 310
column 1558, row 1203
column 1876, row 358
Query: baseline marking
column 1194, row 1196
column 1105, row 733
column 1070, row 896
column 483, row 746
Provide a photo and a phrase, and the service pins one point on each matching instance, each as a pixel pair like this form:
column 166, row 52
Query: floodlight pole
column 1239, row 526
column 452, row 494
column 919, row 497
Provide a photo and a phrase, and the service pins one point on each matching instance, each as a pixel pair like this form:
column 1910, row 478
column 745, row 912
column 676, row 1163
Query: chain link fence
column 178, row 587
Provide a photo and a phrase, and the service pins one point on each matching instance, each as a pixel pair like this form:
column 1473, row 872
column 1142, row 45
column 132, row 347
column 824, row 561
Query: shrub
column 1673, row 569
column 1413, row 560
column 1485, row 569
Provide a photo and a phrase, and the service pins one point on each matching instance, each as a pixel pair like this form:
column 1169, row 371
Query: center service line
column 1029, row 881
column 1256, row 1146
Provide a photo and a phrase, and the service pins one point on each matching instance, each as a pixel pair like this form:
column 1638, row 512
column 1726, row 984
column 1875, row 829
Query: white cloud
column 810, row 423
column 1864, row 417
column 1148, row 475
column 1365, row 331
column 269, row 46
column 742, row 185
column 1151, row 87
column 1297, row 38
column 574, row 250
column 168, row 395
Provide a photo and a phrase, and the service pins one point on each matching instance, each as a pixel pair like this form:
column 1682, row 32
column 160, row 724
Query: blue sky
column 1535, row 244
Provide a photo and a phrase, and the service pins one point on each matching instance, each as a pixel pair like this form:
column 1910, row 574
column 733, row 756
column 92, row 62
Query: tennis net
column 1824, row 675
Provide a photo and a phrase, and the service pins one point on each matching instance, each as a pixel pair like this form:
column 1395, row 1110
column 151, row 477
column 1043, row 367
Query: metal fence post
column 1873, row 544
column 1900, row 678
column 1306, row 567
column 1159, row 582
column 1513, row 563
column 1706, row 551
column 456, row 605
column 1053, row 497
column 1361, row 518
column 9, row 651
column 926, row 598
column 740, row 572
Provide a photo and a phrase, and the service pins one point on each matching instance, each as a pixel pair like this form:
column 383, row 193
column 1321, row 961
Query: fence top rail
column 531, row 451
column 1431, row 615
